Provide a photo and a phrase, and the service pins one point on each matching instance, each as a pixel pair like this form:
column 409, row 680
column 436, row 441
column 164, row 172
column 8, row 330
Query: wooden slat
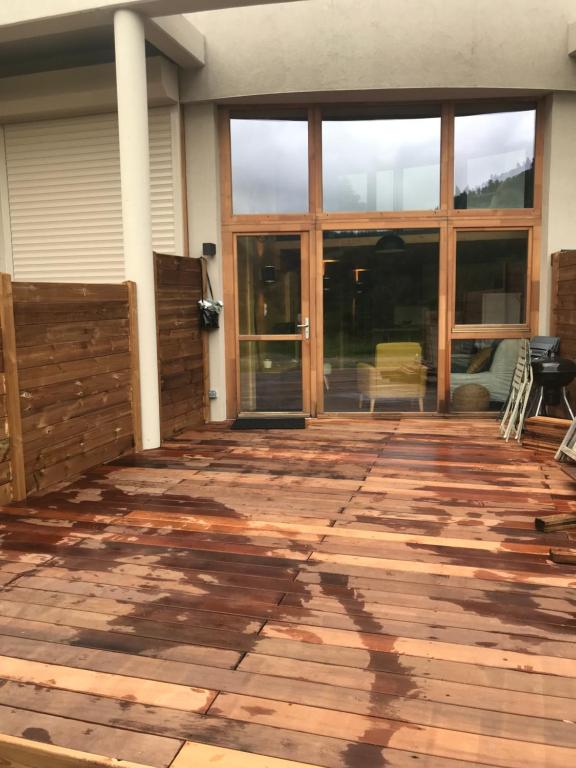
column 76, row 354
column 182, row 353
column 135, row 365
column 12, row 388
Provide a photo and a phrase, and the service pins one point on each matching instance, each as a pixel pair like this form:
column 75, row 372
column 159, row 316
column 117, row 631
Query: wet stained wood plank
column 425, row 740
column 359, row 593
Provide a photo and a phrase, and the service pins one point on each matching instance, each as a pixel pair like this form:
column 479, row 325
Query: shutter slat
column 64, row 197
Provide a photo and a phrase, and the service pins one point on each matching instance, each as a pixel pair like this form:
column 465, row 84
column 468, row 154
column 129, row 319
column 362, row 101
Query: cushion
column 481, row 361
column 471, row 397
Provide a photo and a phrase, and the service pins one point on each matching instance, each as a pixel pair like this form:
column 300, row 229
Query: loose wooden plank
column 563, row 556
column 555, row 522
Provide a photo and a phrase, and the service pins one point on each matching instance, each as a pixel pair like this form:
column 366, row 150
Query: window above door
column 468, row 158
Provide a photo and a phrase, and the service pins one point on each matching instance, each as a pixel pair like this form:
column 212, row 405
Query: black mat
column 270, row 422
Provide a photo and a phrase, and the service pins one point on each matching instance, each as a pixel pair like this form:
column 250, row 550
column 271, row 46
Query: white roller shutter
column 64, row 197
column 163, row 179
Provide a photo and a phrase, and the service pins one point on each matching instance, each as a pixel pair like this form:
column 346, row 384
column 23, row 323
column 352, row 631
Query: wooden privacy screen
column 69, row 372
column 181, row 345
column 5, row 472
column 563, row 321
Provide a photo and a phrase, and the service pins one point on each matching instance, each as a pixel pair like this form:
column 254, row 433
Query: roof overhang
column 170, row 33
column 21, row 19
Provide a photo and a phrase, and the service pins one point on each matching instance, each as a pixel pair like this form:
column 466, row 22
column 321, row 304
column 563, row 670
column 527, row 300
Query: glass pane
column 481, row 374
column 270, row 376
column 381, row 320
column 269, row 166
column 491, row 277
column 494, row 160
column 381, row 165
column 268, row 284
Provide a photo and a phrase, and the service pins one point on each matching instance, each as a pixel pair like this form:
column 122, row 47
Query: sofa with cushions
column 491, row 367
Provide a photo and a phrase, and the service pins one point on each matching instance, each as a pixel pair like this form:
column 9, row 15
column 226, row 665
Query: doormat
column 272, row 422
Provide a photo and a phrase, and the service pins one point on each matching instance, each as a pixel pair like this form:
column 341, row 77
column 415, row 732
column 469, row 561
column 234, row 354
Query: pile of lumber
column 544, row 433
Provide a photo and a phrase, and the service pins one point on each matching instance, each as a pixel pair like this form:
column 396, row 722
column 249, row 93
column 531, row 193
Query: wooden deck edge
column 16, row 752
column 195, row 755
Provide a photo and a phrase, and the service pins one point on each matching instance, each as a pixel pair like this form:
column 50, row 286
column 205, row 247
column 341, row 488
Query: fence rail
column 69, row 373
column 68, row 397
column 181, row 343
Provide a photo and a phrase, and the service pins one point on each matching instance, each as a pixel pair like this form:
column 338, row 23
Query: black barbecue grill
column 553, row 374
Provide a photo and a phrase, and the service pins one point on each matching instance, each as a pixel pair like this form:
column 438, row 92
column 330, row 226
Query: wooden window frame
column 447, row 219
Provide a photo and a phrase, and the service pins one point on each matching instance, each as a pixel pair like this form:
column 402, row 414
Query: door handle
column 306, row 326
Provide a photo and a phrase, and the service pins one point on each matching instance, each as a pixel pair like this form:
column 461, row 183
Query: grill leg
column 567, row 402
column 540, row 398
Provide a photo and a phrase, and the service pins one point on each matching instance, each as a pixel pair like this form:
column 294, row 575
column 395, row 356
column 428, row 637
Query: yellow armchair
column 398, row 374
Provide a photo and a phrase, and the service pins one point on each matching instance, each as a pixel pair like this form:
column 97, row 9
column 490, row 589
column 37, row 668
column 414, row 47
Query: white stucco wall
column 202, row 176
column 352, row 45
column 559, row 194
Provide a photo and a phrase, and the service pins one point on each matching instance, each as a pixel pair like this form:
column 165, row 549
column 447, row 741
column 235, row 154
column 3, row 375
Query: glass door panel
column 380, row 297
column 273, row 324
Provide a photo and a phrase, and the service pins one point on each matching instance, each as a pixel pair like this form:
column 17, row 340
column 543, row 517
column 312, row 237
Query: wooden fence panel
column 5, row 468
column 75, row 367
column 181, row 350
column 564, row 306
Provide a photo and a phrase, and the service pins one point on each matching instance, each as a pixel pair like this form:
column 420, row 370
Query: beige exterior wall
column 342, row 50
column 359, row 45
column 204, row 226
column 559, row 199
column 80, row 91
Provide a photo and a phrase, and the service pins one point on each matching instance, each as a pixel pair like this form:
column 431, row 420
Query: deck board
column 354, row 595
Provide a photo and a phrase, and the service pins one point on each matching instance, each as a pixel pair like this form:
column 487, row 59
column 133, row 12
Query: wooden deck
column 356, row 595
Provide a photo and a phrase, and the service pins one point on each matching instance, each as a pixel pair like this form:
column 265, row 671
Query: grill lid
column 554, row 370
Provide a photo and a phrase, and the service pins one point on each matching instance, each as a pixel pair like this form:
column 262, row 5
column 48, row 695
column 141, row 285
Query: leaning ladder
column 567, row 450
column 513, row 418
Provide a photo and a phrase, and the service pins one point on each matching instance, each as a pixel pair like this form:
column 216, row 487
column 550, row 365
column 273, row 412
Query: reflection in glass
column 270, row 376
column 482, row 372
column 380, row 320
column 269, row 165
column 494, row 160
column 491, row 277
column 381, row 165
column 268, row 283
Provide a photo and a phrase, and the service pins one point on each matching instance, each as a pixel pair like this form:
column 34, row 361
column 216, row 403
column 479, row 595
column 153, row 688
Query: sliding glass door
column 380, row 315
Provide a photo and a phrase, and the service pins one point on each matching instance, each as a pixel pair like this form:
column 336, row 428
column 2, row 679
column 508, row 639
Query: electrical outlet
column 212, row 394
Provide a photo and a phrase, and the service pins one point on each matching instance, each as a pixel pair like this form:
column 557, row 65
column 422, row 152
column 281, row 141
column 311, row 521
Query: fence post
column 554, row 285
column 134, row 364
column 14, row 415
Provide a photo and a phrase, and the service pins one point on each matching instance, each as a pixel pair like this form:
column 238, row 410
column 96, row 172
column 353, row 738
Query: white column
column 136, row 217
